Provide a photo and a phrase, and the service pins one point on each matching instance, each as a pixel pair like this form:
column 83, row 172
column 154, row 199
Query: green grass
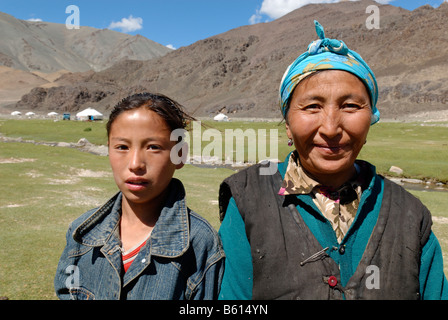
column 55, row 131
column 45, row 188
column 51, row 187
column 437, row 203
column 421, row 151
column 38, row 199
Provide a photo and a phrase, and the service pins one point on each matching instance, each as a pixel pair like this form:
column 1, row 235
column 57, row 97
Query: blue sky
column 169, row 22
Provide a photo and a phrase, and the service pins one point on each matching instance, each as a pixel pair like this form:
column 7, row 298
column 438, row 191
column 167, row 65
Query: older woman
column 326, row 226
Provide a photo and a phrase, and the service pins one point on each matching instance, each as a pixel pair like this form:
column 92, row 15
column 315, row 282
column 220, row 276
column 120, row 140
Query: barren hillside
column 239, row 71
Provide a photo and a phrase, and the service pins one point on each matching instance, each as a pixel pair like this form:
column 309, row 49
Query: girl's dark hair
column 170, row 111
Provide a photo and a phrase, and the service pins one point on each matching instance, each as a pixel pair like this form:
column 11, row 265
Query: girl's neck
column 137, row 222
column 145, row 214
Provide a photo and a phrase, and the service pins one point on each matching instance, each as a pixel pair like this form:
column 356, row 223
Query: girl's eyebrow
column 149, row 139
column 120, row 139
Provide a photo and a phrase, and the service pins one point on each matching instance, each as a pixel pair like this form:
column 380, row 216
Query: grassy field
column 44, row 188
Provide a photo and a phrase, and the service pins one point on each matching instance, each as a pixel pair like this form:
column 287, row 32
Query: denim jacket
column 183, row 258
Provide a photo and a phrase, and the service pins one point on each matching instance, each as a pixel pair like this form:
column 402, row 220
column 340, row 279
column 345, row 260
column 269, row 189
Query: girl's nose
column 137, row 161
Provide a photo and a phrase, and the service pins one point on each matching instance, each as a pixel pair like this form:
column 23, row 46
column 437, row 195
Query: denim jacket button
column 143, row 260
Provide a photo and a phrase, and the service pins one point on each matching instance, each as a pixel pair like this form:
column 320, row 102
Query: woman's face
column 139, row 154
column 328, row 120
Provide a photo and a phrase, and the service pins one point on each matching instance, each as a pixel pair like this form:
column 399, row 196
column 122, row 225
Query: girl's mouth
column 137, row 184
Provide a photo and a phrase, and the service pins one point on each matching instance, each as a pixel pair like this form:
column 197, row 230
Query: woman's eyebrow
column 313, row 98
column 341, row 98
column 354, row 96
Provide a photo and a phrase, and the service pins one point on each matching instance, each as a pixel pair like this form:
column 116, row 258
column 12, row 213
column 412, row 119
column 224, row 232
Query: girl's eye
column 121, row 147
column 154, row 147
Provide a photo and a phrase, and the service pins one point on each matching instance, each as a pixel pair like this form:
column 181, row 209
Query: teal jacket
column 238, row 274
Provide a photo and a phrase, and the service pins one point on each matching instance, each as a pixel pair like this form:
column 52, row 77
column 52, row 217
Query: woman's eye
column 351, row 106
column 121, row 147
column 311, row 107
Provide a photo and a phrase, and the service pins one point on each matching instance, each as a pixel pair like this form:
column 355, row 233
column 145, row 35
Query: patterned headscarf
column 328, row 54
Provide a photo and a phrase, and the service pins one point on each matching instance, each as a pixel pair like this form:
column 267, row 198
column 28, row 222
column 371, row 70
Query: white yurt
column 30, row 114
column 221, row 117
column 16, row 113
column 52, row 114
column 89, row 114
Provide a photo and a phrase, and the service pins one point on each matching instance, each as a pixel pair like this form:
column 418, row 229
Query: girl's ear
column 179, row 154
column 183, row 154
column 179, row 166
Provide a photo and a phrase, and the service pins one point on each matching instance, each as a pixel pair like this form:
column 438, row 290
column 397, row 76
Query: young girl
column 144, row 243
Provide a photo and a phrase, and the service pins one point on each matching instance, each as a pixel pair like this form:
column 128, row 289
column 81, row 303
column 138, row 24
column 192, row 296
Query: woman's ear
column 288, row 131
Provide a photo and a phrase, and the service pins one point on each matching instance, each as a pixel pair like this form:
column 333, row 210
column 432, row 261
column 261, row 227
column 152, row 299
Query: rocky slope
column 239, row 71
column 50, row 47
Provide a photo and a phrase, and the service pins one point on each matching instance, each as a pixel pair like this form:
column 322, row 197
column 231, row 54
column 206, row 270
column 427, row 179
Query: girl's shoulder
column 82, row 218
column 114, row 203
column 199, row 224
column 202, row 231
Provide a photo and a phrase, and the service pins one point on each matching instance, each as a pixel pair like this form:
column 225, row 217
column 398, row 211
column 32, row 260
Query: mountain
column 238, row 72
column 50, row 47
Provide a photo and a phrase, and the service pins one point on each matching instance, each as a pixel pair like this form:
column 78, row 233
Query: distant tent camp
column 221, row 117
column 89, row 114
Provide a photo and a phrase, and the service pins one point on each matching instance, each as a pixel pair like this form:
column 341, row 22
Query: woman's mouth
column 330, row 148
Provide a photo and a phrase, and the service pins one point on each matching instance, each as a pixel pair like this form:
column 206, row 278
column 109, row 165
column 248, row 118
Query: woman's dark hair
column 168, row 109
column 288, row 104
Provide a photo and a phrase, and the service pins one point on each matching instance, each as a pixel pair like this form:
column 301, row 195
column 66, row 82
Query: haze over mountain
column 239, row 71
column 50, row 47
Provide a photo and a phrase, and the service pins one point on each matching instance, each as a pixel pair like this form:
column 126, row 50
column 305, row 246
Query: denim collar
column 169, row 238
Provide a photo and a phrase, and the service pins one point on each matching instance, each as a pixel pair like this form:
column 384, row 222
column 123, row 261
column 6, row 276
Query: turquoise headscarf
column 328, row 54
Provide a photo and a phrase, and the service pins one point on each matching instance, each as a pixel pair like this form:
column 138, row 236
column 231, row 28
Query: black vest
column 280, row 240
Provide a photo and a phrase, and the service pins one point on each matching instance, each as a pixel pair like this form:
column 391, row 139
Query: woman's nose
column 330, row 123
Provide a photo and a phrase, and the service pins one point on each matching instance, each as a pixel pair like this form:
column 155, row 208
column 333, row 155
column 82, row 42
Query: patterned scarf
column 328, row 54
column 339, row 207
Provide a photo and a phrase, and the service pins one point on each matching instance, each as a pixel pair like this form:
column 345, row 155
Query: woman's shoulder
column 260, row 172
column 403, row 197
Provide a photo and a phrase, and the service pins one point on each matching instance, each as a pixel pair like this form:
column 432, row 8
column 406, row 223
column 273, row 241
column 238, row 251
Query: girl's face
column 329, row 119
column 139, row 154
